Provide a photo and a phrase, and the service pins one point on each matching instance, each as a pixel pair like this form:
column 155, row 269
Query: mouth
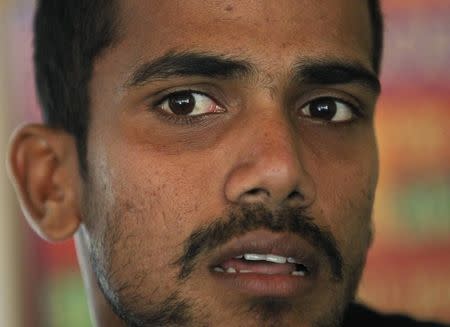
column 264, row 263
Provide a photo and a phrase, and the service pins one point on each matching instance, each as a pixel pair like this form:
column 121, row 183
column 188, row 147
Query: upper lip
column 266, row 242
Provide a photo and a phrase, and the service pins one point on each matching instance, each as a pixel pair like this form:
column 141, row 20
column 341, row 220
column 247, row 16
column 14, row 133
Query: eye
column 328, row 109
column 189, row 103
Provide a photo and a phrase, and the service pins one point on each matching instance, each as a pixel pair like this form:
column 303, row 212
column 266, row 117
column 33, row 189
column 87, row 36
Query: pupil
column 324, row 108
column 182, row 103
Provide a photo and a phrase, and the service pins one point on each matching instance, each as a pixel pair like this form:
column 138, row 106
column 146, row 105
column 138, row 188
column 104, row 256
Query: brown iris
column 182, row 103
column 323, row 108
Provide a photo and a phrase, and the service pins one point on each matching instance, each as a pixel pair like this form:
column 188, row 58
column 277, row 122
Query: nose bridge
column 272, row 170
column 276, row 146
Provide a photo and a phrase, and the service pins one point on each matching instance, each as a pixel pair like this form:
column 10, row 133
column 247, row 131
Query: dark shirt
column 361, row 316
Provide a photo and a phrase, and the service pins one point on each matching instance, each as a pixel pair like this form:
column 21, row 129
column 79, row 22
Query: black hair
column 376, row 17
column 69, row 35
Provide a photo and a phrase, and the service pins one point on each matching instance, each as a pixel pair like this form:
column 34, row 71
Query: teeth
column 231, row 270
column 255, row 257
column 292, row 260
column 267, row 257
column 275, row 258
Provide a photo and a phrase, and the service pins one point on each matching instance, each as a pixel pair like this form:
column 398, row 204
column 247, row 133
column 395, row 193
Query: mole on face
column 229, row 8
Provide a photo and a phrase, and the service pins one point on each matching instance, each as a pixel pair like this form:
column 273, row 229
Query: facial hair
column 179, row 310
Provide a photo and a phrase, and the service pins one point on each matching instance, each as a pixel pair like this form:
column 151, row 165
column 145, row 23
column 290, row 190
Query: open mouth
column 265, row 264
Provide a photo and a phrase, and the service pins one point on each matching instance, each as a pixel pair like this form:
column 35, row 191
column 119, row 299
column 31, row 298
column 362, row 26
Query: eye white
column 343, row 112
column 202, row 105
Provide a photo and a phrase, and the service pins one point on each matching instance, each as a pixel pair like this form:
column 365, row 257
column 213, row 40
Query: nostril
column 295, row 195
column 295, row 198
column 258, row 191
column 256, row 194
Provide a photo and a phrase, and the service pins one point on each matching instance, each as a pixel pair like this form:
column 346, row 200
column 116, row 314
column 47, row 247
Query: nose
column 270, row 168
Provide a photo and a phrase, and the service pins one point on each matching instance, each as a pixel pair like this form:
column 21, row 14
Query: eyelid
column 167, row 96
column 206, row 89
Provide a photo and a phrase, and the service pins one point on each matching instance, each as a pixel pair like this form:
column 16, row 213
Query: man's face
column 222, row 129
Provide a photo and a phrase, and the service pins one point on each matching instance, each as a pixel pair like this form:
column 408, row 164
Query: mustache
column 250, row 218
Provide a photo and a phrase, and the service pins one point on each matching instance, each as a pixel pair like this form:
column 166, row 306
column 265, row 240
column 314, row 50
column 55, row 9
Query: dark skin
column 158, row 171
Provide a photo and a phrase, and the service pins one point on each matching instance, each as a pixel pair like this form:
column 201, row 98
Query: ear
column 43, row 166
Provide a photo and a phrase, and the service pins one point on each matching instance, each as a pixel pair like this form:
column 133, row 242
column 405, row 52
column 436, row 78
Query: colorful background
column 408, row 269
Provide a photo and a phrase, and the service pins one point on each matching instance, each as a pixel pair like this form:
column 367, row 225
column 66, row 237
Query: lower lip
column 266, row 285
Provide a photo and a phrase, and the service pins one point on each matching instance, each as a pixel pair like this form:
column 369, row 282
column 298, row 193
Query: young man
column 216, row 161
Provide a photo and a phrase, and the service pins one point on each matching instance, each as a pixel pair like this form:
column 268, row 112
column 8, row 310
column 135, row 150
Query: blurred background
column 408, row 268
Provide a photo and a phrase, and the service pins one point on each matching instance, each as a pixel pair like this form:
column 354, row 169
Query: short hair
column 69, row 35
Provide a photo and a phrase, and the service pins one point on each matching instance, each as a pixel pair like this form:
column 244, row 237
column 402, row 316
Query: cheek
column 171, row 193
column 134, row 247
column 346, row 188
column 134, row 237
column 350, row 208
column 144, row 210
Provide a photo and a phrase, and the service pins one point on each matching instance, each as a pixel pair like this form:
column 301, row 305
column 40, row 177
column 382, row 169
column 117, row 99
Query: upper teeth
column 267, row 257
column 300, row 270
column 292, row 260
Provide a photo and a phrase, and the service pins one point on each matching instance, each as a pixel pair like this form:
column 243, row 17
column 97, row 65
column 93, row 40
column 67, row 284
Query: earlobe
column 43, row 166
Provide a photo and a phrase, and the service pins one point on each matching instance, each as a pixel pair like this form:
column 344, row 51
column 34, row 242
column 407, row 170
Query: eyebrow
column 329, row 72
column 189, row 64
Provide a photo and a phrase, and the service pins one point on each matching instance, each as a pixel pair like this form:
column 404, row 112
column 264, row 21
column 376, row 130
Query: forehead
column 264, row 27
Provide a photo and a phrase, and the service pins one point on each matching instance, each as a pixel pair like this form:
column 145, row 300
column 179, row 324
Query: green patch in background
column 67, row 302
column 424, row 207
